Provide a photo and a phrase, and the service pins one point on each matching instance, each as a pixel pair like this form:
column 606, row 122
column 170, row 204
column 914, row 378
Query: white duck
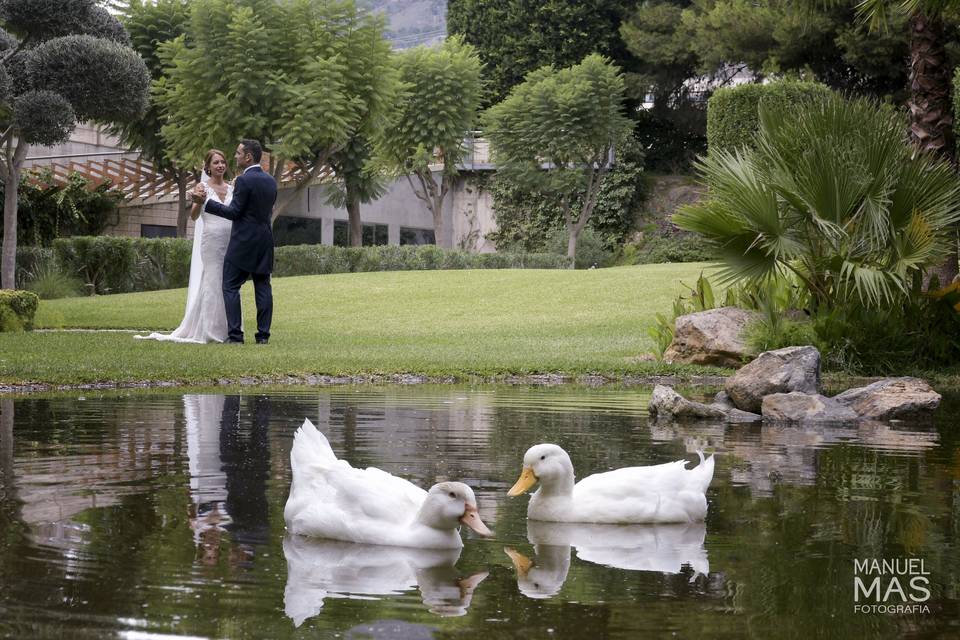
column 321, row 569
column 330, row 499
column 664, row 548
column 659, row 494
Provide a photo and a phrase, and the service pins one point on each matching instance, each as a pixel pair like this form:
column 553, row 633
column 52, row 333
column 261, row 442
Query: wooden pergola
column 141, row 183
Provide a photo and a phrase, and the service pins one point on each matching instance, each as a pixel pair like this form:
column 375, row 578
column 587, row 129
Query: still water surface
column 161, row 515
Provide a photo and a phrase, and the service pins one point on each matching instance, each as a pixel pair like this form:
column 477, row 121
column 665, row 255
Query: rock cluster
column 784, row 386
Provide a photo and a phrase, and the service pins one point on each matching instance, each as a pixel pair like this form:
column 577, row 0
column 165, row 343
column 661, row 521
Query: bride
column 205, row 319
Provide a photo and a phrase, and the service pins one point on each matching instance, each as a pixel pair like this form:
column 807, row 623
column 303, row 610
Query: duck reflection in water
column 229, row 461
column 320, row 569
column 663, row 548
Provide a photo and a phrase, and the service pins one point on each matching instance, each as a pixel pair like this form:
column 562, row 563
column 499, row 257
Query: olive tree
column 556, row 133
column 437, row 108
column 63, row 61
column 302, row 76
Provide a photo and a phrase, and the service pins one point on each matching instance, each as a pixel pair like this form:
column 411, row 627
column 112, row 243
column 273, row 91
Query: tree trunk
column 573, row 237
column 353, row 214
column 438, row 233
column 183, row 205
column 8, row 262
column 931, row 114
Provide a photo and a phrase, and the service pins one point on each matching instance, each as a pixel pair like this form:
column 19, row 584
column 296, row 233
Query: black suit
column 250, row 251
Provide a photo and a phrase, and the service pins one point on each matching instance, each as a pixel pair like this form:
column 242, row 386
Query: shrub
column 105, row 264
column 32, row 261
column 48, row 209
column 733, row 112
column 116, row 265
column 592, row 248
column 162, row 263
column 17, row 309
column 49, row 283
column 454, row 259
column 833, row 193
column 527, row 220
column 656, row 249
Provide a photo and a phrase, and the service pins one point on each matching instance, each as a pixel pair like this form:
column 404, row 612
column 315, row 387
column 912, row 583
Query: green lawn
column 437, row 323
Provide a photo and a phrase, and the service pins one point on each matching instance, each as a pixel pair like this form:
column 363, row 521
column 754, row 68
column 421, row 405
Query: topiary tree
column 733, row 113
column 149, row 24
column 556, row 133
column 301, row 76
column 437, row 109
column 63, row 61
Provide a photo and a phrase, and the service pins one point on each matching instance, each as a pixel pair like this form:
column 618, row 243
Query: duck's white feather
column 331, row 499
column 665, row 493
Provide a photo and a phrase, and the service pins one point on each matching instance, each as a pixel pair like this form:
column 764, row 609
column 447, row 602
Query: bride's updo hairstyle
column 209, row 159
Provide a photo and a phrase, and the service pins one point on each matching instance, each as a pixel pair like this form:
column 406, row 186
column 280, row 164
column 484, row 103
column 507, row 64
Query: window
column 157, row 231
column 289, row 230
column 373, row 234
column 409, row 235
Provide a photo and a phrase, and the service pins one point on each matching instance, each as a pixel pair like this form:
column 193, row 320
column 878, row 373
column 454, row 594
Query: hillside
column 412, row 22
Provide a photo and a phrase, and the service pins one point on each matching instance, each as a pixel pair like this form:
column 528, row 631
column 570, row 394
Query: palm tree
column 832, row 196
column 931, row 114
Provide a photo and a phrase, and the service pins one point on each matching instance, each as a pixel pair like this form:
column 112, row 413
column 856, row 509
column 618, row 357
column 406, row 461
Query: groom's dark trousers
column 233, row 279
column 250, row 251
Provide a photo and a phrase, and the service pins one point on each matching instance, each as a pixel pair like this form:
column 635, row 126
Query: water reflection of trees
column 791, row 507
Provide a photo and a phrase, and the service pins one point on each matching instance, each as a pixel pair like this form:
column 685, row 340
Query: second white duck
column 658, row 494
column 331, row 499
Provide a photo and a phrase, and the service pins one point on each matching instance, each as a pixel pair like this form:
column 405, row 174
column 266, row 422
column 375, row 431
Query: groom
column 250, row 251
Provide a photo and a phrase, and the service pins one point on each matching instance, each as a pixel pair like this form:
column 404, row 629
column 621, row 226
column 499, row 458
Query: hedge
column 110, row 264
column 17, row 309
column 733, row 112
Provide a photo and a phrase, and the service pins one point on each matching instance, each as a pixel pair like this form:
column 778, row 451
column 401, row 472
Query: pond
column 153, row 515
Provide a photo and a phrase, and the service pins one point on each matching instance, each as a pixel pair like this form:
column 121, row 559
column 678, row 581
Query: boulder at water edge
column 712, row 337
column 665, row 403
column 892, row 398
column 801, row 407
column 780, row 371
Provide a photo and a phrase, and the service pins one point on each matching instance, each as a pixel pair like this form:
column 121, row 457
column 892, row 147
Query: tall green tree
column 302, row 76
column 63, row 61
column 356, row 181
column 515, row 37
column 557, row 132
column 437, row 109
column 683, row 48
column 931, row 114
column 833, row 195
column 150, row 24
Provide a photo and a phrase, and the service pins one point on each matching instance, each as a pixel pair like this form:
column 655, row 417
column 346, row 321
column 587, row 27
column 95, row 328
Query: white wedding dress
column 205, row 319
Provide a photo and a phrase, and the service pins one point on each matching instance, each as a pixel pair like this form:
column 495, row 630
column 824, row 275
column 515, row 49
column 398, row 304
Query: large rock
column 713, row 337
column 892, row 398
column 666, row 403
column 779, row 371
column 801, row 407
